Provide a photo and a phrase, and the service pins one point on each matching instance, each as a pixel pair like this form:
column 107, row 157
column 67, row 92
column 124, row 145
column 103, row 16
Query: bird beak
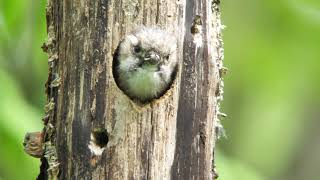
column 152, row 57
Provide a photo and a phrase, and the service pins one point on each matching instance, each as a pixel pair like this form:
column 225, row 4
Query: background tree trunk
column 170, row 138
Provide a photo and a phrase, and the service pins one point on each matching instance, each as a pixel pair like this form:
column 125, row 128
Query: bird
column 145, row 63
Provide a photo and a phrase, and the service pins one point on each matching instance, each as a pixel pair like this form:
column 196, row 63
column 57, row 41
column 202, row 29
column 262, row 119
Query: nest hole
column 99, row 140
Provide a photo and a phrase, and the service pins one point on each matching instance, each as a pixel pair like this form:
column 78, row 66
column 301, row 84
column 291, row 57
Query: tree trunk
column 93, row 130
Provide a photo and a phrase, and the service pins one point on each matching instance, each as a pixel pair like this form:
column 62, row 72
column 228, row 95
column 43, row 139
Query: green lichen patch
column 51, row 156
column 50, row 106
column 56, row 82
column 53, row 58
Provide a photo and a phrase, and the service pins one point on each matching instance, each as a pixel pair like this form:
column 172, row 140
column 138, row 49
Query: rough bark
column 170, row 138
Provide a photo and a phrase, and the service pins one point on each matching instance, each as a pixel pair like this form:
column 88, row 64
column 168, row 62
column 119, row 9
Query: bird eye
column 137, row 49
column 167, row 57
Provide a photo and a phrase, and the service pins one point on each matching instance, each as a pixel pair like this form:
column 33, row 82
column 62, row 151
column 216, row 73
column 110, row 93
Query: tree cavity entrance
column 98, row 141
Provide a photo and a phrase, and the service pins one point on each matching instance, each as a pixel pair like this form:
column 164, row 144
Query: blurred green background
column 272, row 49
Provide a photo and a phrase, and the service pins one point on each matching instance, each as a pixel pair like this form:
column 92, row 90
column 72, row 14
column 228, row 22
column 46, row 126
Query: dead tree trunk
column 93, row 130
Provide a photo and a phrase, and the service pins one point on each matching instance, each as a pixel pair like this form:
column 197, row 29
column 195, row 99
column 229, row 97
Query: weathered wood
column 169, row 138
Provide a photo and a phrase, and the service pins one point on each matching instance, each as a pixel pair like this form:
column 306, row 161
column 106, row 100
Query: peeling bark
column 93, row 130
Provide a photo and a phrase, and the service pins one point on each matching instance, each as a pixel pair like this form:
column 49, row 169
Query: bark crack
column 158, row 9
column 150, row 151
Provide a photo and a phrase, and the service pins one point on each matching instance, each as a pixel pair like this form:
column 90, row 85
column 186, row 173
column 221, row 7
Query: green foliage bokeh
column 271, row 92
